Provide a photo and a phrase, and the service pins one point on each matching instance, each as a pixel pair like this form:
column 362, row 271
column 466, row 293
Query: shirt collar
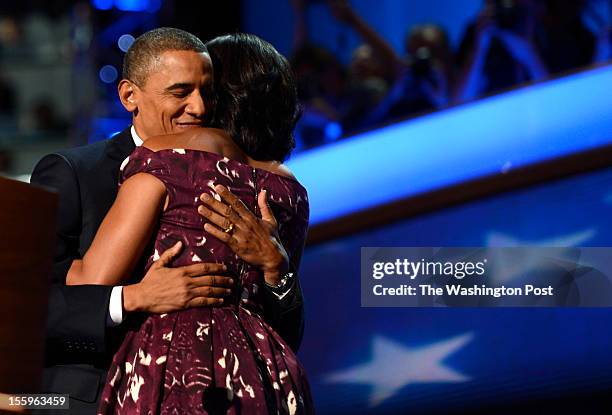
column 137, row 140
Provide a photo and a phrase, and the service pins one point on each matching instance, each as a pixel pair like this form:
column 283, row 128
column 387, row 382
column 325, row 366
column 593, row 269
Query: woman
column 225, row 359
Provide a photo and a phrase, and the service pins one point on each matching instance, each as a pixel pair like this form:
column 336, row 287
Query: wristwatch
column 282, row 284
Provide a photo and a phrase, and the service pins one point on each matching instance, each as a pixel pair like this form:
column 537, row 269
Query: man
column 167, row 77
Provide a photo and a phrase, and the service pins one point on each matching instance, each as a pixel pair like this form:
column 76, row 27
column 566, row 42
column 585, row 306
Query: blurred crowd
column 49, row 62
column 509, row 42
column 34, row 50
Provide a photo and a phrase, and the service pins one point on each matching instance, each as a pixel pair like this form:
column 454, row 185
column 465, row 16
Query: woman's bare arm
column 123, row 235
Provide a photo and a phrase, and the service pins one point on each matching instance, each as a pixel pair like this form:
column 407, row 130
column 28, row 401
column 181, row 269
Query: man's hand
column 166, row 289
column 253, row 239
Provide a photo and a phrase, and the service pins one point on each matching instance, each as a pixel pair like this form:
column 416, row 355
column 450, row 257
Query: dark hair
column 256, row 96
column 147, row 49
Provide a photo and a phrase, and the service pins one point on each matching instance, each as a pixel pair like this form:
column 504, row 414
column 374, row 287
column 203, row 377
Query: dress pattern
column 207, row 360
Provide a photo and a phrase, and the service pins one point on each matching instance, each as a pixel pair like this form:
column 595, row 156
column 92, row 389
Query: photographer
column 499, row 49
column 418, row 83
column 423, row 82
column 334, row 99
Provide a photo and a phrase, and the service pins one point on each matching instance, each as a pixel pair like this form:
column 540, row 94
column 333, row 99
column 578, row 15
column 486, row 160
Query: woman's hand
column 253, row 239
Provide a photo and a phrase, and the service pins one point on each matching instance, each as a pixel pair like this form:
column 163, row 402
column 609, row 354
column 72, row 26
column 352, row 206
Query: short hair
column 148, row 48
column 255, row 95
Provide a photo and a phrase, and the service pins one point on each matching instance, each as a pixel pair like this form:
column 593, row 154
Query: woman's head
column 256, row 96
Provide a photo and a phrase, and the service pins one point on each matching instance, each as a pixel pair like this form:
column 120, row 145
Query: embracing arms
column 256, row 241
column 123, row 235
column 80, row 313
column 121, row 239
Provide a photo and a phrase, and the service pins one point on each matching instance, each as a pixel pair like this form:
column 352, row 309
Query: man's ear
column 128, row 95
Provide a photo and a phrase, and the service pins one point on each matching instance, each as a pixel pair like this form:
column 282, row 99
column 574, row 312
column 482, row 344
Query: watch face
column 282, row 283
column 285, row 279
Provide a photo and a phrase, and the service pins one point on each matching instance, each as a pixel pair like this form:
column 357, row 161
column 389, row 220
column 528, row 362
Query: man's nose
column 196, row 105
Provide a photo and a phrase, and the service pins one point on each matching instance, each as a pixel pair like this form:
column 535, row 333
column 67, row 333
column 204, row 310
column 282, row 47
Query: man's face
column 174, row 95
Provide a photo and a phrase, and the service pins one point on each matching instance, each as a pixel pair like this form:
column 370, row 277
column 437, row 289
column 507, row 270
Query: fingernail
column 224, row 267
column 231, row 280
column 228, row 291
column 218, row 188
column 205, row 197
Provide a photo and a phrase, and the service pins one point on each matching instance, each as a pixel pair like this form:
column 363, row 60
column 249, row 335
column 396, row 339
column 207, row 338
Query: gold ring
column 229, row 228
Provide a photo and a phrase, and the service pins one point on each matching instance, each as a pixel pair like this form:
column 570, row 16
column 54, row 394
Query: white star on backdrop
column 394, row 366
column 507, row 270
column 498, row 239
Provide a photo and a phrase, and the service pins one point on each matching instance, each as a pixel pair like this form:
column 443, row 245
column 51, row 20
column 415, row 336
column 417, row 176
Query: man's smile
column 190, row 124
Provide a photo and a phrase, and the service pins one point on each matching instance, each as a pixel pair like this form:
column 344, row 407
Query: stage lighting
column 108, row 74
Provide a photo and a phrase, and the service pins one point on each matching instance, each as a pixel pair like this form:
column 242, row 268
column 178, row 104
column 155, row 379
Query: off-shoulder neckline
column 219, row 156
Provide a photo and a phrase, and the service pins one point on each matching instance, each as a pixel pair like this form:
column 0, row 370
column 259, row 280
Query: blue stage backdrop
column 411, row 360
column 273, row 20
column 486, row 137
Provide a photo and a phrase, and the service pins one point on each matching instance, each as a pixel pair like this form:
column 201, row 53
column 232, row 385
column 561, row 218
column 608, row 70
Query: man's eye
column 180, row 94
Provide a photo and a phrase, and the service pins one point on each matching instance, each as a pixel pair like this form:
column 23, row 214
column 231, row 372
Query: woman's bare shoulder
column 205, row 139
column 283, row 170
column 162, row 142
column 275, row 167
column 215, row 141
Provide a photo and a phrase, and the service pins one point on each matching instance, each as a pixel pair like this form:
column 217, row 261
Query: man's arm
column 260, row 246
column 284, row 310
column 77, row 315
column 342, row 11
column 123, row 234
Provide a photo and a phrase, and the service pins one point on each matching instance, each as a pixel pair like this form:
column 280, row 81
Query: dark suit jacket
column 79, row 343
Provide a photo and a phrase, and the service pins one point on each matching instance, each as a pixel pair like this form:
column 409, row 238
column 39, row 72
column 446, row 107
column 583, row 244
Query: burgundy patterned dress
column 210, row 360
